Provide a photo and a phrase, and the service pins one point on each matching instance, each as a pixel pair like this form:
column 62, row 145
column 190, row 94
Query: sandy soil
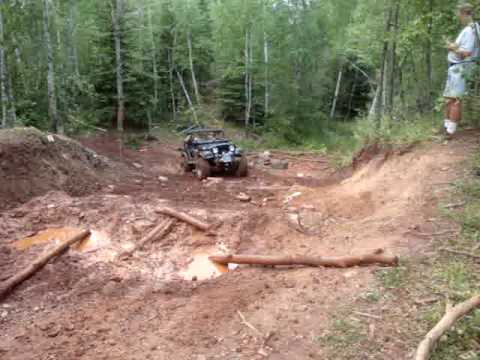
column 88, row 304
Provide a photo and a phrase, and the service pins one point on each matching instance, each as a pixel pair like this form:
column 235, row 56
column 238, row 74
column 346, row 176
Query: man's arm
column 460, row 52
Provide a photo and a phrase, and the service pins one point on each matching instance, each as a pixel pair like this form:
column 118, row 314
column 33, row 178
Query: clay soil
column 91, row 305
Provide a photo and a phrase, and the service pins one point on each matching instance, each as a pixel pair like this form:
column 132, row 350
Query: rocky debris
column 212, row 181
column 279, row 164
column 265, row 158
column 162, row 179
column 244, row 197
column 290, row 197
column 137, row 166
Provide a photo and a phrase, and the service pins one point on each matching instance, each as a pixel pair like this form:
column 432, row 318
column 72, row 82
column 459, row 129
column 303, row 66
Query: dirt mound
column 33, row 163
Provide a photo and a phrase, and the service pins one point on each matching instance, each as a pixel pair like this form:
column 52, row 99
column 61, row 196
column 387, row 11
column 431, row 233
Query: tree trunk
column 378, row 106
column 267, row 80
column 117, row 15
column 392, row 70
column 56, row 125
column 185, row 218
column 172, row 89
column 377, row 257
column 192, row 69
column 337, row 92
column 39, row 263
column 159, row 232
column 72, row 46
column 156, row 99
column 247, row 79
column 428, row 58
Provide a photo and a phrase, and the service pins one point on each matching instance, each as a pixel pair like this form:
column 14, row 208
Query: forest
column 289, row 67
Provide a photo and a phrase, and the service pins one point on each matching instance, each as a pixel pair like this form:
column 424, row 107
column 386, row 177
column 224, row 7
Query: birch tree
column 56, row 124
column 117, row 17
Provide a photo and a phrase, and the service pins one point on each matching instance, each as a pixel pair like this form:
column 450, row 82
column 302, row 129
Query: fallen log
column 10, row 284
column 159, row 232
column 185, row 218
column 451, row 316
column 377, row 257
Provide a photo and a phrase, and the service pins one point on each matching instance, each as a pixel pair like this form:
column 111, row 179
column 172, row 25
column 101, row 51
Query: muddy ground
column 88, row 304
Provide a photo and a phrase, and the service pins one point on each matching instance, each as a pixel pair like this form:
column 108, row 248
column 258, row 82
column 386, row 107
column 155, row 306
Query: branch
column 377, row 257
column 185, row 218
column 159, row 232
column 452, row 315
column 39, row 263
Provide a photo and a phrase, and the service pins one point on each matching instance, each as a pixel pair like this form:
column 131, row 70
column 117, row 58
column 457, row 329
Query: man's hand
column 451, row 46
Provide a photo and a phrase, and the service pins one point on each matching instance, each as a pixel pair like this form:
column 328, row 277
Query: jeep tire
column 242, row 169
column 202, row 169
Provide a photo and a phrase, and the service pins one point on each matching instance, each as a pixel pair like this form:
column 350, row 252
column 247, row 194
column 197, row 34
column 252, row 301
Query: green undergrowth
column 411, row 298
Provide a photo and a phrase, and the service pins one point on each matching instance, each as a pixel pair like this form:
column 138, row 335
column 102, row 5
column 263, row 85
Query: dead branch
column 246, row 323
column 429, row 343
column 462, row 253
column 185, row 218
column 159, row 232
column 10, row 284
column 377, row 257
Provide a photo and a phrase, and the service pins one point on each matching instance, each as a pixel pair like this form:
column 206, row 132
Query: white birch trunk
column 187, row 95
column 117, row 14
column 247, row 79
column 56, row 124
column 72, row 46
column 192, row 69
column 267, row 80
column 337, row 92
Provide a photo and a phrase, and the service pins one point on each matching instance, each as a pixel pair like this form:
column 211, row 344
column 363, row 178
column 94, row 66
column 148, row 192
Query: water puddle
column 95, row 241
column 201, row 268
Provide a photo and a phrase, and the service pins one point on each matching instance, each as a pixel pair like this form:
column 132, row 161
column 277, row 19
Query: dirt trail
column 88, row 305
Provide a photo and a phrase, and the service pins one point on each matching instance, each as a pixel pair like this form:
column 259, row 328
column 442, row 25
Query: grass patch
column 393, row 278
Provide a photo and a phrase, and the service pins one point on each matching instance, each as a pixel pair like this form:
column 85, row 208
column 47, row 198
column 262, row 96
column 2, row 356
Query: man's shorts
column 456, row 82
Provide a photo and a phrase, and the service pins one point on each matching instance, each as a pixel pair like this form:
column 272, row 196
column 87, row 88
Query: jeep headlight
column 215, row 150
column 232, row 148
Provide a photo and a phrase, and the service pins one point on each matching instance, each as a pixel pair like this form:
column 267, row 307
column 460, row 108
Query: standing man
column 462, row 53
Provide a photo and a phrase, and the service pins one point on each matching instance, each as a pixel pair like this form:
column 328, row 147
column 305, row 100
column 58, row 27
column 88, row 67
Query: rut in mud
column 90, row 305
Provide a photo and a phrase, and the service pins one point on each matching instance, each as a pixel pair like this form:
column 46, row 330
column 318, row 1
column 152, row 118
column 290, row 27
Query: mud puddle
column 95, row 241
column 202, row 268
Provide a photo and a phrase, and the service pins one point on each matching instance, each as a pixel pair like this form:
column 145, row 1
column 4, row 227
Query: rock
column 138, row 182
column 138, row 166
column 163, row 179
column 300, row 175
column 4, row 314
column 244, row 197
column 201, row 357
column 279, row 164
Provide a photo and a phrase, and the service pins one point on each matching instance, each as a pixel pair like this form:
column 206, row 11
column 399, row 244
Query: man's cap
column 466, row 8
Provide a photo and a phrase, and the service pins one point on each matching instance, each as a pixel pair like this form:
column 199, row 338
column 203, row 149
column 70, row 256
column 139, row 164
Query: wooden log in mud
column 378, row 257
column 159, row 232
column 10, row 284
column 450, row 318
column 185, row 218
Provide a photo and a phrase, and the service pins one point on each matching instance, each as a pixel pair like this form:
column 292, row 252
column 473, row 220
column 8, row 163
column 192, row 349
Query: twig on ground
column 246, row 323
column 368, row 315
column 462, row 253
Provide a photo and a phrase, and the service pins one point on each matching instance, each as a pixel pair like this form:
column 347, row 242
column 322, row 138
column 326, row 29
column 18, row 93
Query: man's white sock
column 452, row 128
column 445, row 123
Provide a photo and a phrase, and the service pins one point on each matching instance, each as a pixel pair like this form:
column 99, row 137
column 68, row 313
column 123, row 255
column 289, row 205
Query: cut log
column 185, row 218
column 377, row 257
column 159, row 232
column 430, row 341
column 39, row 263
